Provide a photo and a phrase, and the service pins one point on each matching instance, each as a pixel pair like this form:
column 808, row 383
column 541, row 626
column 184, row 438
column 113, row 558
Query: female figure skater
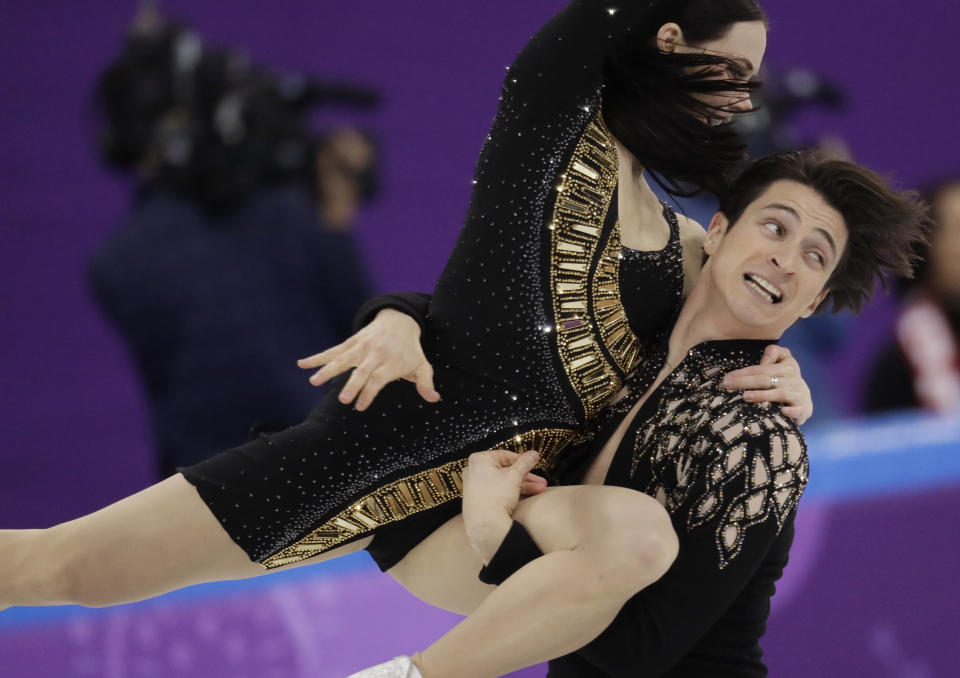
column 534, row 324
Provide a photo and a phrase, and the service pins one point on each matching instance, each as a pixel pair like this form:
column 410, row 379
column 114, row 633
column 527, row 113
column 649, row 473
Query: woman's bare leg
column 602, row 545
column 155, row 541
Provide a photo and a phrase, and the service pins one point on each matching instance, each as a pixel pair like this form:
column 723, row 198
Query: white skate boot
column 398, row 667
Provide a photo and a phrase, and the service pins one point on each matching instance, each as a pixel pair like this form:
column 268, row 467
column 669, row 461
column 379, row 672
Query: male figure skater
column 794, row 232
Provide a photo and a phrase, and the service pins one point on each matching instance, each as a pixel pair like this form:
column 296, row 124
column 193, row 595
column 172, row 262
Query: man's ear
column 812, row 308
column 715, row 232
column 668, row 37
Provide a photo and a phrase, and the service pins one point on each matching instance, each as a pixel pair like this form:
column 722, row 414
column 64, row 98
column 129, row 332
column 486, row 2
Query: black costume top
column 529, row 332
column 730, row 473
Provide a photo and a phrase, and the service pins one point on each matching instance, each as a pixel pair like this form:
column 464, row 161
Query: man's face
column 772, row 266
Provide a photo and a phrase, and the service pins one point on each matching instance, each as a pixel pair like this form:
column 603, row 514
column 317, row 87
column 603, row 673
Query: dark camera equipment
column 207, row 122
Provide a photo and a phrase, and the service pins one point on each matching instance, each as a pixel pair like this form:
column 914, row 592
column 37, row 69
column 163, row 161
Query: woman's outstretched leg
column 602, row 545
column 158, row 540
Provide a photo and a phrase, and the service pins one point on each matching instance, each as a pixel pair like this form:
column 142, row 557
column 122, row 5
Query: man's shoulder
column 760, row 426
column 766, row 416
column 754, row 469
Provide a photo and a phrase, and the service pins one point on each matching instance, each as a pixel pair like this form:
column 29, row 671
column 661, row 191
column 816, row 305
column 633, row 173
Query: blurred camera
column 210, row 124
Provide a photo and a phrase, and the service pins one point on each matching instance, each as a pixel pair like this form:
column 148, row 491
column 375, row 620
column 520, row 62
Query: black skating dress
column 533, row 326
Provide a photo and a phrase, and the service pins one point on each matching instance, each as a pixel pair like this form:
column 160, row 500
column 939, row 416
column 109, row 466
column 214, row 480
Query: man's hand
column 386, row 349
column 776, row 379
column 492, row 485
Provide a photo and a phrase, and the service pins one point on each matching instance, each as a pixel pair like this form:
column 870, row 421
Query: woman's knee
column 628, row 535
column 634, row 538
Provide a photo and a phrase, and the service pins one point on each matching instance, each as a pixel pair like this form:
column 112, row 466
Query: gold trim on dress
column 589, row 311
column 622, row 344
column 407, row 496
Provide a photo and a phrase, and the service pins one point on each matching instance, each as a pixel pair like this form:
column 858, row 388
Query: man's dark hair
column 652, row 100
column 885, row 227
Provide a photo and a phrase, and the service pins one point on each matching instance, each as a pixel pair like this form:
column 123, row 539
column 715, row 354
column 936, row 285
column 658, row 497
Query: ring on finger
column 774, row 381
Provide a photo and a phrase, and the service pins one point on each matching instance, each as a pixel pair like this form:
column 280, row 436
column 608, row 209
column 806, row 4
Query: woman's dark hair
column 651, row 98
column 885, row 228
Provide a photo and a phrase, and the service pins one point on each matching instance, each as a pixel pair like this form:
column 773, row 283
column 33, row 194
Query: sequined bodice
column 651, row 315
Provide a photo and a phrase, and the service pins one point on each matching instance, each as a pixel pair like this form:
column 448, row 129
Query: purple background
column 70, row 408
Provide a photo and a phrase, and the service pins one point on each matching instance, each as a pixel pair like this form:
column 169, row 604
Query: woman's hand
column 493, row 483
column 776, row 379
column 386, row 349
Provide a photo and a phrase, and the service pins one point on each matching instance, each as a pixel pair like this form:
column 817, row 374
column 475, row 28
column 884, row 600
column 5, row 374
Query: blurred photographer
column 240, row 221
column 921, row 368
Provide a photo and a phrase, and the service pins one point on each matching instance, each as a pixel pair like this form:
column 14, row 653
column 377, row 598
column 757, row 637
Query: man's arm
column 727, row 524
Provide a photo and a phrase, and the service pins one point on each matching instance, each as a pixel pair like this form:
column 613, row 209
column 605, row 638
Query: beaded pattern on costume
column 628, row 349
column 622, row 344
column 407, row 496
column 663, row 264
column 747, row 461
column 584, row 197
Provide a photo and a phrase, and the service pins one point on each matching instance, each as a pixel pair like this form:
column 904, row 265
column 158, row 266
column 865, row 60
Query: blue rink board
column 900, row 453
column 848, row 460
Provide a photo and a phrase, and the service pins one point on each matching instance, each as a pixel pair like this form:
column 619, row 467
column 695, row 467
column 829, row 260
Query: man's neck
column 704, row 317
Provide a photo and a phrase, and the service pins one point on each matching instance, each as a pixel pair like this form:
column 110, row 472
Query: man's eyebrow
column 824, row 232
column 785, row 208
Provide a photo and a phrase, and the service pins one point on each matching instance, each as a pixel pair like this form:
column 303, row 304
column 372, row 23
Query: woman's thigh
column 442, row 570
column 160, row 539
